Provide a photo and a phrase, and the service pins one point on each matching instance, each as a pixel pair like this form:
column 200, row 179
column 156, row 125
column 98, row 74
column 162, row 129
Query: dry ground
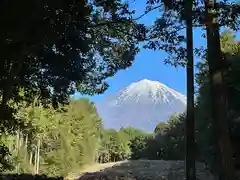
column 140, row 170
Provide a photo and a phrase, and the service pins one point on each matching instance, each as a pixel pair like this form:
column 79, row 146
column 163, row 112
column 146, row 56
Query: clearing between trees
column 140, row 170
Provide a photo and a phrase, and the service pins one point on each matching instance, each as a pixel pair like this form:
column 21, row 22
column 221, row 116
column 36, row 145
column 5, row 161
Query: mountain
column 141, row 105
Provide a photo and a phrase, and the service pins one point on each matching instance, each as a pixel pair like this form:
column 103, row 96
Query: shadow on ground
column 146, row 170
column 27, row 177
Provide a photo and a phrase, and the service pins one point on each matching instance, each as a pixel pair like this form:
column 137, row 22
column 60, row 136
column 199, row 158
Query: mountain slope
column 142, row 105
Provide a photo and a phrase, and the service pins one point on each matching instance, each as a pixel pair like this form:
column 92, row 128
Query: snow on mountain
column 142, row 105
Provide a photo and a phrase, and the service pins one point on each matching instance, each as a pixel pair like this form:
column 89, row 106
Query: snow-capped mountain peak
column 142, row 105
column 153, row 90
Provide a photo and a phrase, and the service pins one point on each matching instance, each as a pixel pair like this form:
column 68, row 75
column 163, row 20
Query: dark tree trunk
column 217, row 66
column 190, row 125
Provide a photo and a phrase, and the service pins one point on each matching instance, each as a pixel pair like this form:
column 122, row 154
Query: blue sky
column 149, row 64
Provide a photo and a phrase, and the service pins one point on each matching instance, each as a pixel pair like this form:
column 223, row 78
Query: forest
column 53, row 49
column 58, row 141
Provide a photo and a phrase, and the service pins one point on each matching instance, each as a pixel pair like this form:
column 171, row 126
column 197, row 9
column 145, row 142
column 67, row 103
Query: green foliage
column 4, row 158
column 166, row 34
column 68, row 137
column 160, row 128
column 58, row 141
column 138, row 147
column 168, row 143
column 65, row 45
column 115, row 146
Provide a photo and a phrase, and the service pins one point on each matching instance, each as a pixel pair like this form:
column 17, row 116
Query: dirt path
column 140, row 170
column 100, row 167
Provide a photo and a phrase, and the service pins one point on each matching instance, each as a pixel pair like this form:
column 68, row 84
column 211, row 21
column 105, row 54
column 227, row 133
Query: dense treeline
column 58, row 141
column 166, row 143
column 54, row 141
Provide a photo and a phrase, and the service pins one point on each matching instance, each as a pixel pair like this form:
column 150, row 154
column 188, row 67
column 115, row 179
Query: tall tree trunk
column 26, row 141
column 10, row 144
column 217, row 66
column 26, row 147
column 35, row 160
column 18, row 148
column 21, row 140
column 190, row 124
column 30, row 157
column 38, row 155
